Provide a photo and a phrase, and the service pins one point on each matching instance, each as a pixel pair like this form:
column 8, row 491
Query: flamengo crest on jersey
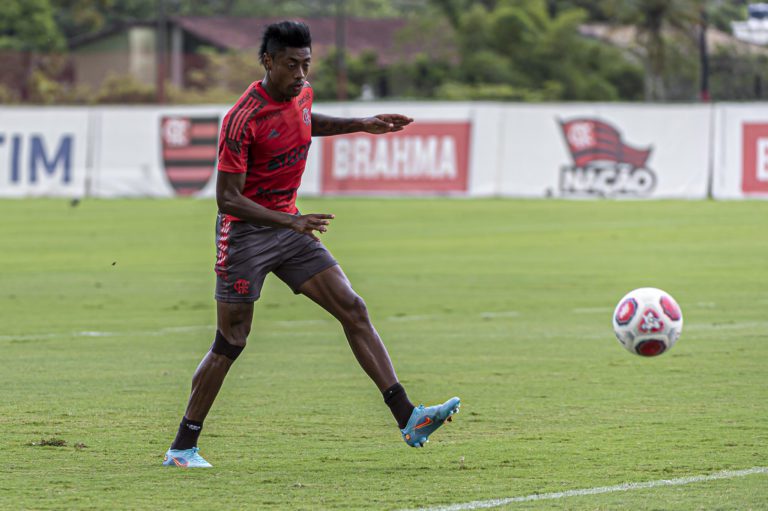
column 268, row 141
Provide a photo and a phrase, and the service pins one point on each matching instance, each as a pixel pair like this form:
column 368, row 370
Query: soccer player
column 263, row 148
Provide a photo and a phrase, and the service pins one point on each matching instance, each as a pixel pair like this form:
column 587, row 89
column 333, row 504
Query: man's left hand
column 385, row 123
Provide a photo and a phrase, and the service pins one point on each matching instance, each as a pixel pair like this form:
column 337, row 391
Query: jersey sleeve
column 234, row 148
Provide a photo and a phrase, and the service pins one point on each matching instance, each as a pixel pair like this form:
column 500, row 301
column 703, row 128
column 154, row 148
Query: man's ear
column 267, row 61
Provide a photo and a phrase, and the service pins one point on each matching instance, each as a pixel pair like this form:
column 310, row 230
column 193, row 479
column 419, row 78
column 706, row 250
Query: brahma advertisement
column 755, row 156
column 740, row 156
column 425, row 158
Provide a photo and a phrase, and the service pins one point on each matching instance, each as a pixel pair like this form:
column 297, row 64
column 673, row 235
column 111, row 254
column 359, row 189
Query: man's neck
column 267, row 85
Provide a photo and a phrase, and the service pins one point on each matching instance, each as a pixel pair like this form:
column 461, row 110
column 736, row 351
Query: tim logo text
column 603, row 165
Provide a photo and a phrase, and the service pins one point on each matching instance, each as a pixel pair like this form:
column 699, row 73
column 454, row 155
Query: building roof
column 379, row 35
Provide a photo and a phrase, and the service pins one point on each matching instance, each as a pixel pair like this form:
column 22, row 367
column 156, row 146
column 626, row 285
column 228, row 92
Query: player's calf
column 206, row 383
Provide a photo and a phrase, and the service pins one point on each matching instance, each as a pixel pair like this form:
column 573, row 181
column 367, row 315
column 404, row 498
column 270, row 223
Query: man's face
column 287, row 71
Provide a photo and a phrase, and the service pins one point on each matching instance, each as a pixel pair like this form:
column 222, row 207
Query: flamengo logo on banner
column 754, row 177
column 603, row 165
column 424, row 158
column 189, row 151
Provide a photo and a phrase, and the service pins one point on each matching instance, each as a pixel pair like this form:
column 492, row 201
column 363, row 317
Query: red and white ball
column 647, row 321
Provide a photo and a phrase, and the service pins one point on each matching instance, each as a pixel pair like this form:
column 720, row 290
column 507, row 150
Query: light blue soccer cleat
column 187, row 458
column 424, row 421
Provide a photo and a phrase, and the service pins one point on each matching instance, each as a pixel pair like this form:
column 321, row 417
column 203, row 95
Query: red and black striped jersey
column 268, row 141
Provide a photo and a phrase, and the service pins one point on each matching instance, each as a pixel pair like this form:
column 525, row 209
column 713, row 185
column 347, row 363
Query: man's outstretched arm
column 324, row 125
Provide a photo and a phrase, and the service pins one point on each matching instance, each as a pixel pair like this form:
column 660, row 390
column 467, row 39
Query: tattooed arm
column 324, row 125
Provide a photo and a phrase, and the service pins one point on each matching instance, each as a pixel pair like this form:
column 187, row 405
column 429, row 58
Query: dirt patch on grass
column 51, row 442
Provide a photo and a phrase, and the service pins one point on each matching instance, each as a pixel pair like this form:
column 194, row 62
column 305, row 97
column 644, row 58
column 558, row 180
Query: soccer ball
column 647, row 321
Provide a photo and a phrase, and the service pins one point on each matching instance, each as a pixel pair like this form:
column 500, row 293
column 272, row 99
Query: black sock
column 186, row 438
column 399, row 404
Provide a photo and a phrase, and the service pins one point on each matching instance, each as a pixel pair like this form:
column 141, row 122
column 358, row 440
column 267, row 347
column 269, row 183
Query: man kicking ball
column 263, row 148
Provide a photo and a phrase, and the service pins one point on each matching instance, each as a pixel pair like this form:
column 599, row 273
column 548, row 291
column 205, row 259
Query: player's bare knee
column 356, row 313
column 230, row 348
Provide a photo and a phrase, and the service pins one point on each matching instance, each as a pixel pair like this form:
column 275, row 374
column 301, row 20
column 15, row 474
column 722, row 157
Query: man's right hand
column 307, row 224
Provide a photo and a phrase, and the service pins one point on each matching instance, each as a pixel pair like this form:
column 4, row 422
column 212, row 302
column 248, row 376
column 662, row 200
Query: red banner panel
column 755, row 156
column 423, row 158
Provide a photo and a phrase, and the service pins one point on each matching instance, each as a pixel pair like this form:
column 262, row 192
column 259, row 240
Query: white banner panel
column 43, row 152
column 156, row 152
column 606, row 151
column 486, row 169
column 741, row 151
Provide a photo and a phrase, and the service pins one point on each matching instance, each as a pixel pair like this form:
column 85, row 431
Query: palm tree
column 658, row 23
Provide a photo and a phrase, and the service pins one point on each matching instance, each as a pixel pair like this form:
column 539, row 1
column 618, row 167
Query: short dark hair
column 282, row 35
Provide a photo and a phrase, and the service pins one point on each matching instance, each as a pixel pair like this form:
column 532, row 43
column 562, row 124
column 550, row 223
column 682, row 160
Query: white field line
column 486, row 504
column 499, row 314
column 295, row 323
column 303, row 323
column 609, row 310
column 160, row 331
column 738, row 325
column 415, row 317
column 400, row 318
column 593, row 310
column 424, row 317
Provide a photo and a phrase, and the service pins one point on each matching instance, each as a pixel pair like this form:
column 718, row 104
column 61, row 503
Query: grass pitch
column 106, row 309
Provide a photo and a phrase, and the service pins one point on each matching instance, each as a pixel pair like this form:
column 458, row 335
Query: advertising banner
column 425, row 158
column 43, row 152
column 606, row 151
column 151, row 152
column 590, row 150
column 741, row 152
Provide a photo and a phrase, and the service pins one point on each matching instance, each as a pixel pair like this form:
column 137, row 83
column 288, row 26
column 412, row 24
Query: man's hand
column 385, row 123
column 307, row 224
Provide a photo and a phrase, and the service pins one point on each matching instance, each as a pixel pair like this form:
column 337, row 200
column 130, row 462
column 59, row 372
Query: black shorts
column 246, row 253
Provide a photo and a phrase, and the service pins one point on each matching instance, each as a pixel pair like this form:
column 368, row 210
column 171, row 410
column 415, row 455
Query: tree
column 722, row 13
column 665, row 32
column 78, row 18
column 521, row 49
column 29, row 25
column 27, row 29
column 739, row 74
